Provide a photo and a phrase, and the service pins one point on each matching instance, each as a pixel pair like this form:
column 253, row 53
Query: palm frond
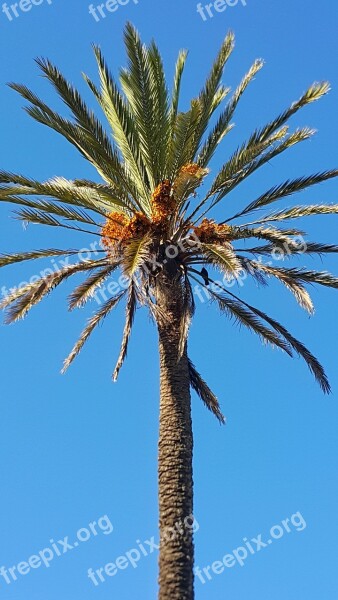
column 223, row 125
column 271, row 234
column 187, row 313
column 161, row 109
column 10, row 259
column 319, row 277
column 107, row 165
column 288, row 188
column 20, row 301
column 291, row 283
column 122, row 123
column 297, row 212
column 243, row 156
column 181, row 150
column 205, row 393
column 86, row 290
column 292, row 249
column 311, row 361
column 222, row 256
column 93, row 322
column 234, row 309
column 135, row 255
column 130, row 315
column 140, row 87
column 312, row 94
column 50, row 208
column 213, row 93
column 72, row 98
column 98, row 198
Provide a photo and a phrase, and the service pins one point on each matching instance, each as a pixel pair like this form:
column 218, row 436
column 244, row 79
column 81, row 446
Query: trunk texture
column 175, row 454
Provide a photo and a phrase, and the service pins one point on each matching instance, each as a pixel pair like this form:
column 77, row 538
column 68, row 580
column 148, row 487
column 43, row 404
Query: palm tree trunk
column 175, row 457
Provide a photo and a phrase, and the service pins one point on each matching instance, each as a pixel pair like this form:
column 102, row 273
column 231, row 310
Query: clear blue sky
column 76, row 448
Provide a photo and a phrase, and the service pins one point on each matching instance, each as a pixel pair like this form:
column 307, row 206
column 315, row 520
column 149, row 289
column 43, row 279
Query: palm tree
column 149, row 216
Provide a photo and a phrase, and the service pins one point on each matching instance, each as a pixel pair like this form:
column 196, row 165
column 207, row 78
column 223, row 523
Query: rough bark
column 175, row 454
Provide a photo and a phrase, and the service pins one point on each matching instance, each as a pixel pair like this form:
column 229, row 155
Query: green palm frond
column 10, row 259
column 86, row 290
column 311, row 361
column 319, row 277
column 291, row 283
column 95, row 197
column 93, row 322
column 119, row 116
column 135, row 255
column 292, row 249
column 161, row 110
column 130, row 315
column 223, row 125
column 235, row 310
column 292, row 343
column 23, row 299
column 174, row 104
column 288, row 188
column 223, row 257
column 213, row 93
column 299, row 211
column 312, row 94
column 237, row 163
column 50, row 208
column 107, row 165
column 270, row 234
column 38, row 217
column 175, row 96
column 140, row 89
column 297, row 137
column 85, row 118
column 205, row 393
column 181, row 151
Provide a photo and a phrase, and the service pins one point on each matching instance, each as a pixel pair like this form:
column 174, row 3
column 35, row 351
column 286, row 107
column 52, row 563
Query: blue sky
column 77, row 448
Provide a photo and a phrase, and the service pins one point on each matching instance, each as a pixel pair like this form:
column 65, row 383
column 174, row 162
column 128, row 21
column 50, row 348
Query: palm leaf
column 135, row 255
column 301, row 294
column 130, row 314
column 107, row 165
column 300, row 211
column 223, row 126
column 23, row 299
column 204, row 392
column 292, row 249
column 285, row 189
column 312, row 94
column 311, row 361
column 10, row 259
column 234, row 309
column 213, row 93
column 186, row 315
column 93, row 322
column 223, row 257
column 138, row 86
column 122, row 123
column 86, row 290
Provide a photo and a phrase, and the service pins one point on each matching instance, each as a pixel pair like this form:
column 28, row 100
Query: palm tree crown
column 148, row 209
